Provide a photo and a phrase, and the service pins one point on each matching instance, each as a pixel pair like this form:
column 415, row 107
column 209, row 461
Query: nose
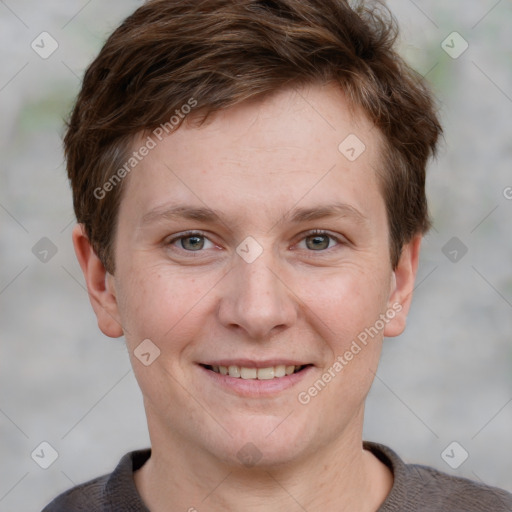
column 255, row 299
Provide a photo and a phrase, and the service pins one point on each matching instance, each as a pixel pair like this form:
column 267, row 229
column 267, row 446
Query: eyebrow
column 294, row 216
column 180, row 212
column 325, row 211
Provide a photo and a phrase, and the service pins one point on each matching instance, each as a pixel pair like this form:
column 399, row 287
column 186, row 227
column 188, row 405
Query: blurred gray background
column 447, row 379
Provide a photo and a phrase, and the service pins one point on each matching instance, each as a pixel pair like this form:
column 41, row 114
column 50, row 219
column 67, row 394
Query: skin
column 254, row 164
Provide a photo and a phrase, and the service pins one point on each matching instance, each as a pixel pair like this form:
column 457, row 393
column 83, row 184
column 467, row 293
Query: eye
column 319, row 241
column 191, row 242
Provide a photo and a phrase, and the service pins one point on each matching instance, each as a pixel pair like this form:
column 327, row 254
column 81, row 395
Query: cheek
column 346, row 309
column 166, row 309
column 155, row 302
column 346, row 302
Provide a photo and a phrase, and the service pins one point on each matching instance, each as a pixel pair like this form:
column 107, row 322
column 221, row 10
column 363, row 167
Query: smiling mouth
column 242, row 372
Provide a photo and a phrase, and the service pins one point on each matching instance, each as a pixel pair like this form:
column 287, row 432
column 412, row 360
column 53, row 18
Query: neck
column 340, row 476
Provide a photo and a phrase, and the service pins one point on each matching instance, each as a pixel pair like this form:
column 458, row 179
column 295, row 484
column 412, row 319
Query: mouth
column 256, row 373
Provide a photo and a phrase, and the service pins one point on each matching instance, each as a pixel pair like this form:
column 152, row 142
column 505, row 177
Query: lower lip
column 256, row 387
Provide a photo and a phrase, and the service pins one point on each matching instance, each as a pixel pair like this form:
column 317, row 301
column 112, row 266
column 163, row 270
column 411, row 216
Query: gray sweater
column 415, row 489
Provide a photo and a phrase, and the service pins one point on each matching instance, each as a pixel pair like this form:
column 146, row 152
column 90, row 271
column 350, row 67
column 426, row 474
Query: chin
column 265, row 443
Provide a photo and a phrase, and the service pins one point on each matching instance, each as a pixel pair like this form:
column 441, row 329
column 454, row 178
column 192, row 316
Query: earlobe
column 402, row 286
column 99, row 285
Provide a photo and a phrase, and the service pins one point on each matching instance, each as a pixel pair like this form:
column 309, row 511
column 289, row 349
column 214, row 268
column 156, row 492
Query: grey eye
column 317, row 242
column 192, row 243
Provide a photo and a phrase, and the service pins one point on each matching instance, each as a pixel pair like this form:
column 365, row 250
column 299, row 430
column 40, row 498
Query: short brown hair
column 224, row 52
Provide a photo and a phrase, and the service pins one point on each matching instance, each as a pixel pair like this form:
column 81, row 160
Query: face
column 253, row 245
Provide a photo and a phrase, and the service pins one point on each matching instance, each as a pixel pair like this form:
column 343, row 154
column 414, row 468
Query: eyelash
column 314, row 232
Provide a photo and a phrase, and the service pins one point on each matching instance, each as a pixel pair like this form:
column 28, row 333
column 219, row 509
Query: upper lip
column 250, row 363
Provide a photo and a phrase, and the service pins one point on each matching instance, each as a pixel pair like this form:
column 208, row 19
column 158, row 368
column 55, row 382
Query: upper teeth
column 256, row 373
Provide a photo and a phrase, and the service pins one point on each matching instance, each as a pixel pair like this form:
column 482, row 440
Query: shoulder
column 88, row 496
column 446, row 492
column 106, row 493
column 425, row 489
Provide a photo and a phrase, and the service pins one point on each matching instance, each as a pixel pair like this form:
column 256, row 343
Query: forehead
column 299, row 145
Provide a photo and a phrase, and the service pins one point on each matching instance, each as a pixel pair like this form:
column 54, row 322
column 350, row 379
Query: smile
column 248, row 373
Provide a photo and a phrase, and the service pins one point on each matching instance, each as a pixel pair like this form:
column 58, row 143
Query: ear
column 402, row 286
column 100, row 285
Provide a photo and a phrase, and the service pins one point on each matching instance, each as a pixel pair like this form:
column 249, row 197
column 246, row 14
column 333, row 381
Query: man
column 249, row 184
